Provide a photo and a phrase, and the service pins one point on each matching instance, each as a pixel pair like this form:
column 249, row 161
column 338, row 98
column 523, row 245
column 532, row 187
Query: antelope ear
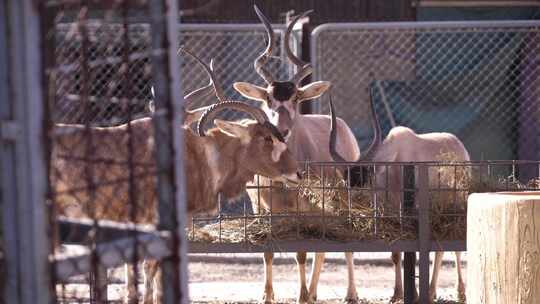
column 251, row 91
column 313, row 90
column 233, row 129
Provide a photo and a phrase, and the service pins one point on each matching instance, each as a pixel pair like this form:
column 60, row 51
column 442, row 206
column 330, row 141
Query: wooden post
column 409, row 260
column 502, row 248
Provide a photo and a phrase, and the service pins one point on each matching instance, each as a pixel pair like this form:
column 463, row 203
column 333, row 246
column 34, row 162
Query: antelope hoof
column 312, row 298
column 303, row 297
column 397, row 297
column 352, row 299
column 268, row 298
column 461, row 294
column 432, row 294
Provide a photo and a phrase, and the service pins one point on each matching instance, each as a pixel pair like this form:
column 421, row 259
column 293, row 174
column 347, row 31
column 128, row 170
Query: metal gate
column 79, row 201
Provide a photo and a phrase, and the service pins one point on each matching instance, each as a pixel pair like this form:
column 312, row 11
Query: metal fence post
column 409, row 260
column 169, row 154
column 25, row 231
column 424, row 231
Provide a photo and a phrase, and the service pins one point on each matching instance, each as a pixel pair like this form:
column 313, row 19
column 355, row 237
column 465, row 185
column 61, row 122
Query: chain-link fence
column 478, row 80
column 233, row 47
column 113, row 190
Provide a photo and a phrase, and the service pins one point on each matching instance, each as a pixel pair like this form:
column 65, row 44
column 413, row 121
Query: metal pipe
column 409, row 260
column 424, row 232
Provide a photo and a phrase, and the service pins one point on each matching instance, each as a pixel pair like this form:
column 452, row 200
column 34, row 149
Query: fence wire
column 377, row 212
column 233, row 48
column 478, row 80
column 105, row 203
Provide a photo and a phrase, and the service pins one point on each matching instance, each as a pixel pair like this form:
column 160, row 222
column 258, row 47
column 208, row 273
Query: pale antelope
column 404, row 145
column 306, row 136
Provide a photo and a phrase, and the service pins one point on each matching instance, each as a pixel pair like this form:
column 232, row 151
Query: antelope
column 404, row 145
column 219, row 161
column 305, row 135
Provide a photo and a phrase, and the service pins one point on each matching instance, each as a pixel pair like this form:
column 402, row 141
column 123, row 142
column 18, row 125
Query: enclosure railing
column 411, row 207
column 330, row 213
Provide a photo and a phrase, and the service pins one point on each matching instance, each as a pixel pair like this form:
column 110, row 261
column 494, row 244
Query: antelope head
column 266, row 151
column 358, row 174
column 281, row 98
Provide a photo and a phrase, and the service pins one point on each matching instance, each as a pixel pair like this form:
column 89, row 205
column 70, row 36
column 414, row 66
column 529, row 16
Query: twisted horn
column 373, row 147
column 214, row 82
column 190, row 98
column 333, row 134
column 377, row 140
column 213, row 110
column 263, row 58
column 305, row 68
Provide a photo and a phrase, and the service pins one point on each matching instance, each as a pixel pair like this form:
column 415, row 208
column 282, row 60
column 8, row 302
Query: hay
column 337, row 228
column 362, row 221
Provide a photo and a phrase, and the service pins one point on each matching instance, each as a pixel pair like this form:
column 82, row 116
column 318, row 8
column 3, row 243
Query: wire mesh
column 327, row 212
column 104, row 199
column 477, row 80
column 234, row 48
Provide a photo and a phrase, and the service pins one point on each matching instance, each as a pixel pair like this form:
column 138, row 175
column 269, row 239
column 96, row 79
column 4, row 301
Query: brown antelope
column 404, row 145
column 305, row 135
column 220, row 162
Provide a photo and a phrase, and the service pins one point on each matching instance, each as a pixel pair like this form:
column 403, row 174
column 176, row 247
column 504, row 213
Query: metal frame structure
column 199, row 38
column 415, row 193
column 24, row 178
column 414, row 25
column 31, row 269
column 134, row 243
column 24, row 188
column 455, row 67
column 117, row 242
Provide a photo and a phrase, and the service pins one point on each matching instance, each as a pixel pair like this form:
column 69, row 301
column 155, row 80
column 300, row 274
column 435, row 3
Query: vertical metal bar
column 454, row 209
column 409, row 260
column 220, row 217
column 26, row 232
column 127, row 97
column 424, row 231
column 245, row 220
column 258, row 194
column 169, row 139
column 8, row 195
column 94, row 276
column 323, row 181
column 349, row 195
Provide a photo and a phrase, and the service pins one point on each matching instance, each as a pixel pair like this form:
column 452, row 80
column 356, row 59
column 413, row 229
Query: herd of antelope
column 226, row 158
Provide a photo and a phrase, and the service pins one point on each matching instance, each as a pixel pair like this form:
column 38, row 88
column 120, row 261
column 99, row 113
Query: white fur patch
column 279, row 148
column 212, row 157
column 291, row 177
column 150, row 143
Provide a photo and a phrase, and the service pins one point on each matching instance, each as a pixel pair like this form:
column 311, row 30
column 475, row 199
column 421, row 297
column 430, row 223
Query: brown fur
column 108, row 166
column 90, row 172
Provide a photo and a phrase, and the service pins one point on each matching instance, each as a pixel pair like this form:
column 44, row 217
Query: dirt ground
column 239, row 278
